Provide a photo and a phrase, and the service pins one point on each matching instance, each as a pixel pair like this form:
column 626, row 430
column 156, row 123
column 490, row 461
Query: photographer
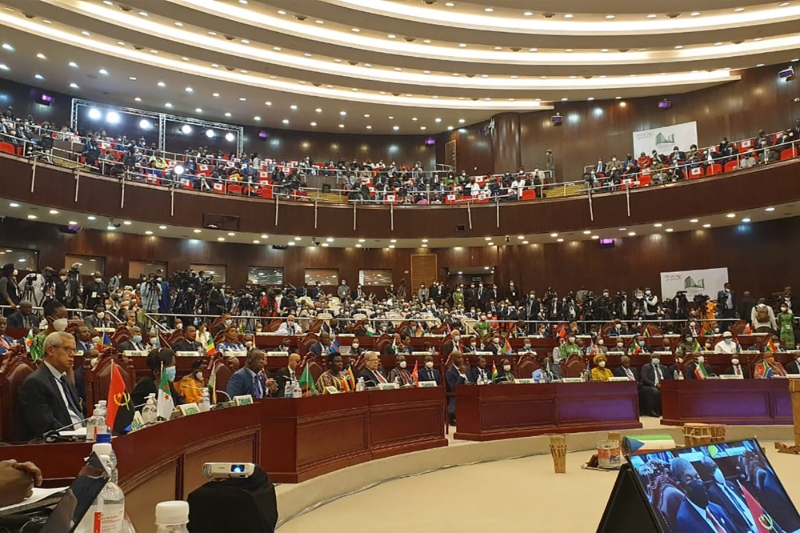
column 150, row 291
column 95, row 292
column 73, row 287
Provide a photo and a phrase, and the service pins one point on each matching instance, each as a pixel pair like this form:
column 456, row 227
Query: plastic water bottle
column 95, row 425
column 172, row 517
column 149, row 412
column 205, row 402
column 109, row 507
column 103, row 408
column 288, row 390
column 105, row 439
column 360, row 385
column 297, row 391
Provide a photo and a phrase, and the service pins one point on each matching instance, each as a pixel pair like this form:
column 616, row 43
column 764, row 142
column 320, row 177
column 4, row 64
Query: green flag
column 165, row 402
column 306, row 383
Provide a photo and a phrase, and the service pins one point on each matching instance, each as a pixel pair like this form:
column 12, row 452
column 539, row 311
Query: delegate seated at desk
column 372, row 374
column 290, row 327
column 189, row 341
column 400, row 374
column 479, row 374
column 158, row 359
column 135, row 343
column 600, row 372
column 47, row 400
column 287, row 375
column 333, row 376
column 737, row 368
column 625, row 370
column 699, row 369
column 231, row 342
column 250, row 379
column 767, row 367
column 429, row 373
column 504, row 373
column 547, row 371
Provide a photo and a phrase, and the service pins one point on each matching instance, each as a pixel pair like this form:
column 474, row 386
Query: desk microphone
column 53, row 434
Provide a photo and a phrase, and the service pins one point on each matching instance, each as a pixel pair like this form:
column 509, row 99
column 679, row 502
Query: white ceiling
column 402, row 59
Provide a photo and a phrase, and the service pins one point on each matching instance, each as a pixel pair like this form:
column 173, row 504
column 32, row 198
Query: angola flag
column 764, row 522
column 120, row 407
column 306, row 382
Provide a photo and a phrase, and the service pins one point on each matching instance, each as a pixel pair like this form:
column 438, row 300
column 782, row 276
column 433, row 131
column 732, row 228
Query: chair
column 224, row 371
column 574, row 367
column 173, row 337
column 714, row 169
column 738, row 328
column 304, row 345
column 525, row 366
column 382, row 342
column 16, row 367
column 7, row 148
column 273, row 326
column 652, row 330
column 98, row 380
column 697, row 173
column 120, row 335
column 789, row 153
column 731, row 166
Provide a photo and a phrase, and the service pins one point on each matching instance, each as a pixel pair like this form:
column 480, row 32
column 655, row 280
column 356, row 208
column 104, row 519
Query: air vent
column 460, row 227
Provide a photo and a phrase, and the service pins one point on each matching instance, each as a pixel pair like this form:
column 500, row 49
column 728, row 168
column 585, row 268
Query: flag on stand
column 507, row 348
column 165, row 402
column 763, row 370
column 635, row 348
column 562, row 332
column 494, row 372
column 306, row 382
column 449, row 329
column 415, row 372
column 325, row 327
column 120, row 407
column 346, row 384
column 700, row 371
column 590, row 350
column 747, row 330
column 646, row 331
column 212, row 384
column 696, row 347
column 764, row 522
column 104, row 343
column 335, row 346
column 351, row 379
column 29, row 338
column 738, row 347
column 770, row 346
column 420, row 331
column 210, row 348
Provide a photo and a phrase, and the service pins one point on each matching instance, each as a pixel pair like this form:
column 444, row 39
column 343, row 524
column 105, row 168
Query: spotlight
column 145, row 124
column 187, row 129
column 95, row 113
column 210, row 133
column 230, row 137
column 113, row 117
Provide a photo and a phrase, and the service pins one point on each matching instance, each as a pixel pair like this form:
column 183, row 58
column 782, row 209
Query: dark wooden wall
column 596, row 129
column 756, row 255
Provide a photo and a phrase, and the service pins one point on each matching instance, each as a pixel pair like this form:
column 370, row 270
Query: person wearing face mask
column 699, row 369
column 737, row 368
column 285, row 346
column 191, row 386
column 231, row 342
column 600, row 372
column 653, row 373
column 762, row 317
column 692, row 329
column 225, row 322
column 639, row 346
column 23, row 317
column 785, row 321
column 767, row 367
column 526, row 348
column 547, row 371
column 496, row 346
column 618, row 330
column 453, row 344
column 56, row 315
column 650, row 305
column 429, row 373
column 570, row 348
column 287, row 375
column 356, row 349
column 8, row 288
column 727, row 345
column 696, row 513
column 727, row 495
column 676, row 370
column 189, row 342
column 479, row 375
column 135, row 342
column 158, row 360
column 95, row 292
column 249, row 344
column 471, row 346
column 456, row 375
column 504, row 373
column 400, row 373
column 290, row 327
column 619, row 347
column 98, row 319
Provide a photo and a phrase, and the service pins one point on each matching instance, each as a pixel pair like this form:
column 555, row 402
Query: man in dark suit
column 728, row 496
column 793, row 367
column 479, row 373
column 47, row 400
column 372, row 373
column 626, row 370
column 653, row 373
column 23, row 317
column 287, row 375
column 726, row 303
column 697, row 514
column 428, row 373
column 321, row 348
column 251, row 379
column 455, row 375
column 83, row 341
column 135, row 342
column 189, row 341
column 738, row 368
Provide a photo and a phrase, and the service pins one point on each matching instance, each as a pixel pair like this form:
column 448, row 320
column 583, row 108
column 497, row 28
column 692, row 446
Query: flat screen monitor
column 728, row 487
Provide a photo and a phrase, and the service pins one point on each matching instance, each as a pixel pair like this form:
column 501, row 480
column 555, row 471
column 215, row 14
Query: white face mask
column 572, row 339
column 248, row 344
column 355, row 346
column 429, row 364
column 403, row 364
column 601, row 364
column 620, row 345
column 153, row 341
column 656, row 360
column 600, row 342
column 497, row 341
column 734, row 361
column 199, row 376
column 507, row 368
column 101, row 315
column 700, row 359
column 728, row 341
column 60, row 324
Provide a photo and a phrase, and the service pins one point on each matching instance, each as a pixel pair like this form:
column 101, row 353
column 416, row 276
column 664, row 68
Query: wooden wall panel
column 756, row 256
column 424, row 269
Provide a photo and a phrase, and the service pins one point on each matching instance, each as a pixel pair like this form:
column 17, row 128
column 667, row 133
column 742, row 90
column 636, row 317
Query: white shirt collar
column 56, row 374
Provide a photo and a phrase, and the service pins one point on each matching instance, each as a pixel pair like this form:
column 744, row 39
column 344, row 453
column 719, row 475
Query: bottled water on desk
column 95, row 425
column 205, row 402
column 149, row 412
column 107, row 513
column 360, row 385
column 103, row 404
column 172, row 517
column 288, row 390
column 105, row 439
column 297, row 391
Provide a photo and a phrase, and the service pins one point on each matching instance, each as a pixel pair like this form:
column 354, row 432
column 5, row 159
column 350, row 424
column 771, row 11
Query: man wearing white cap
column 727, row 345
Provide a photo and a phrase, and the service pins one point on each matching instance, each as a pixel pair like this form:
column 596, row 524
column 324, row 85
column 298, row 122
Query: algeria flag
column 165, row 402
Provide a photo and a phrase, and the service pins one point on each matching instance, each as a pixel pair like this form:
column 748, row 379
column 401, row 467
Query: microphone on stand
column 53, row 434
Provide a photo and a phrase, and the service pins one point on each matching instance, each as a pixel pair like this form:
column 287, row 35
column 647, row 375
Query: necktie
column 73, row 403
column 256, row 387
column 717, row 527
column 736, row 370
column 658, row 375
column 630, row 374
column 380, row 377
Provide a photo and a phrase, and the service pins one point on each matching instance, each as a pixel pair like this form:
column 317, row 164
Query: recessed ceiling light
column 313, row 123
column 769, row 209
column 38, row 77
column 739, row 9
column 198, row 110
column 285, row 121
column 362, row 240
column 595, row 237
column 72, row 222
column 137, row 99
column 745, row 220
column 694, row 14
column 718, row 44
column 706, row 225
column 148, row 232
column 657, row 225
column 32, row 217
column 623, row 229
column 554, row 234
column 41, row 56
column 162, row 227
column 669, row 230
column 694, row 221
column 462, row 45
column 168, row 105
column 356, row 30
column 143, row 13
column 449, row 4
column 358, row 246
column 566, row 16
column 265, row 236
column 74, row 86
column 221, row 239
column 369, row 127
column 559, row 240
column 127, row 222
column 395, row 128
column 198, row 230
column 54, row 211
column 678, row 47
column 292, row 243
column 179, row 24
column 652, row 16
column 281, row 12
column 760, row 65
column 228, row 115
column 341, row 125
column 731, row 215
column 3, row 66
column 631, row 233
column 189, row 90
column 256, row 118
column 91, row 217
column 293, row 107
column 8, row 47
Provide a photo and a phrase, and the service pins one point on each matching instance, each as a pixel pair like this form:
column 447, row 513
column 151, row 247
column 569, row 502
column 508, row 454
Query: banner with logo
column 665, row 139
column 709, row 282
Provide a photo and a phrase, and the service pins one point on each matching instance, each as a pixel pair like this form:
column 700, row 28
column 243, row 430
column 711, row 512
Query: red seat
column 235, row 188
column 789, row 153
column 7, row 148
column 730, row 166
column 714, row 169
column 218, row 187
column 529, row 194
column 696, row 173
column 645, row 180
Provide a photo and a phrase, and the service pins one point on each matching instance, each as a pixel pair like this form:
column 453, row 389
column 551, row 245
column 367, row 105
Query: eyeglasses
column 69, row 350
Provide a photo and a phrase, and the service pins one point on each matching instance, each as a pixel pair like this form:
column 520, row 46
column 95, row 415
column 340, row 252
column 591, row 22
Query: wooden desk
column 308, row 437
column 491, row 412
column 158, row 463
column 716, row 401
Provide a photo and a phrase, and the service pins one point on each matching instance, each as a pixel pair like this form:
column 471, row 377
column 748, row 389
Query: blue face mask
column 137, row 339
column 170, row 372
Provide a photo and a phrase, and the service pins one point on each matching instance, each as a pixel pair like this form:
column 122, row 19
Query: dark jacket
column 16, row 320
column 620, row 372
column 282, row 377
column 648, row 375
column 147, row 386
column 370, row 380
column 432, row 374
column 40, row 407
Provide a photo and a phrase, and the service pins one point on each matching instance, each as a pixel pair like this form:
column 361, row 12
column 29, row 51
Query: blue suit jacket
column 241, row 383
column 453, row 378
column 430, row 375
column 690, row 521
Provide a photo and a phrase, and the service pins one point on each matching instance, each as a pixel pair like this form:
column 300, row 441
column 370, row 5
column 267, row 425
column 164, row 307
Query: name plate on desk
column 731, row 376
column 235, row 353
column 137, row 353
column 524, row 381
column 389, row 386
column 186, row 354
column 277, row 354
column 189, row 409
column 426, row 384
column 571, row 380
column 421, row 353
column 244, row 399
column 618, row 378
column 330, row 389
column 484, row 353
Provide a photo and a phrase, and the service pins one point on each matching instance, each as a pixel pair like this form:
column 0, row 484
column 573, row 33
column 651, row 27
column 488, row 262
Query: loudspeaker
column 244, row 505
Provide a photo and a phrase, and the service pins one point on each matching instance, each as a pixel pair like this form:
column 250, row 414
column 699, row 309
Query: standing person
column 550, row 161
column 95, row 292
column 455, row 375
column 8, row 288
column 762, row 317
column 726, row 303
column 785, row 320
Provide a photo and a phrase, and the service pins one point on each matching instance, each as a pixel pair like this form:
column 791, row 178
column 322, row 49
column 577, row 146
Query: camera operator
column 73, row 287
column 95, row 292
column 216, row 301
column 650, row 305
column 678, row 306
column 150, row 291
column 622, row 307
column 604, row 306
column 245, row 306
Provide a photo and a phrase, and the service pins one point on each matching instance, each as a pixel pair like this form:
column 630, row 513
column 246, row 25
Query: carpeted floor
column 509, row 496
